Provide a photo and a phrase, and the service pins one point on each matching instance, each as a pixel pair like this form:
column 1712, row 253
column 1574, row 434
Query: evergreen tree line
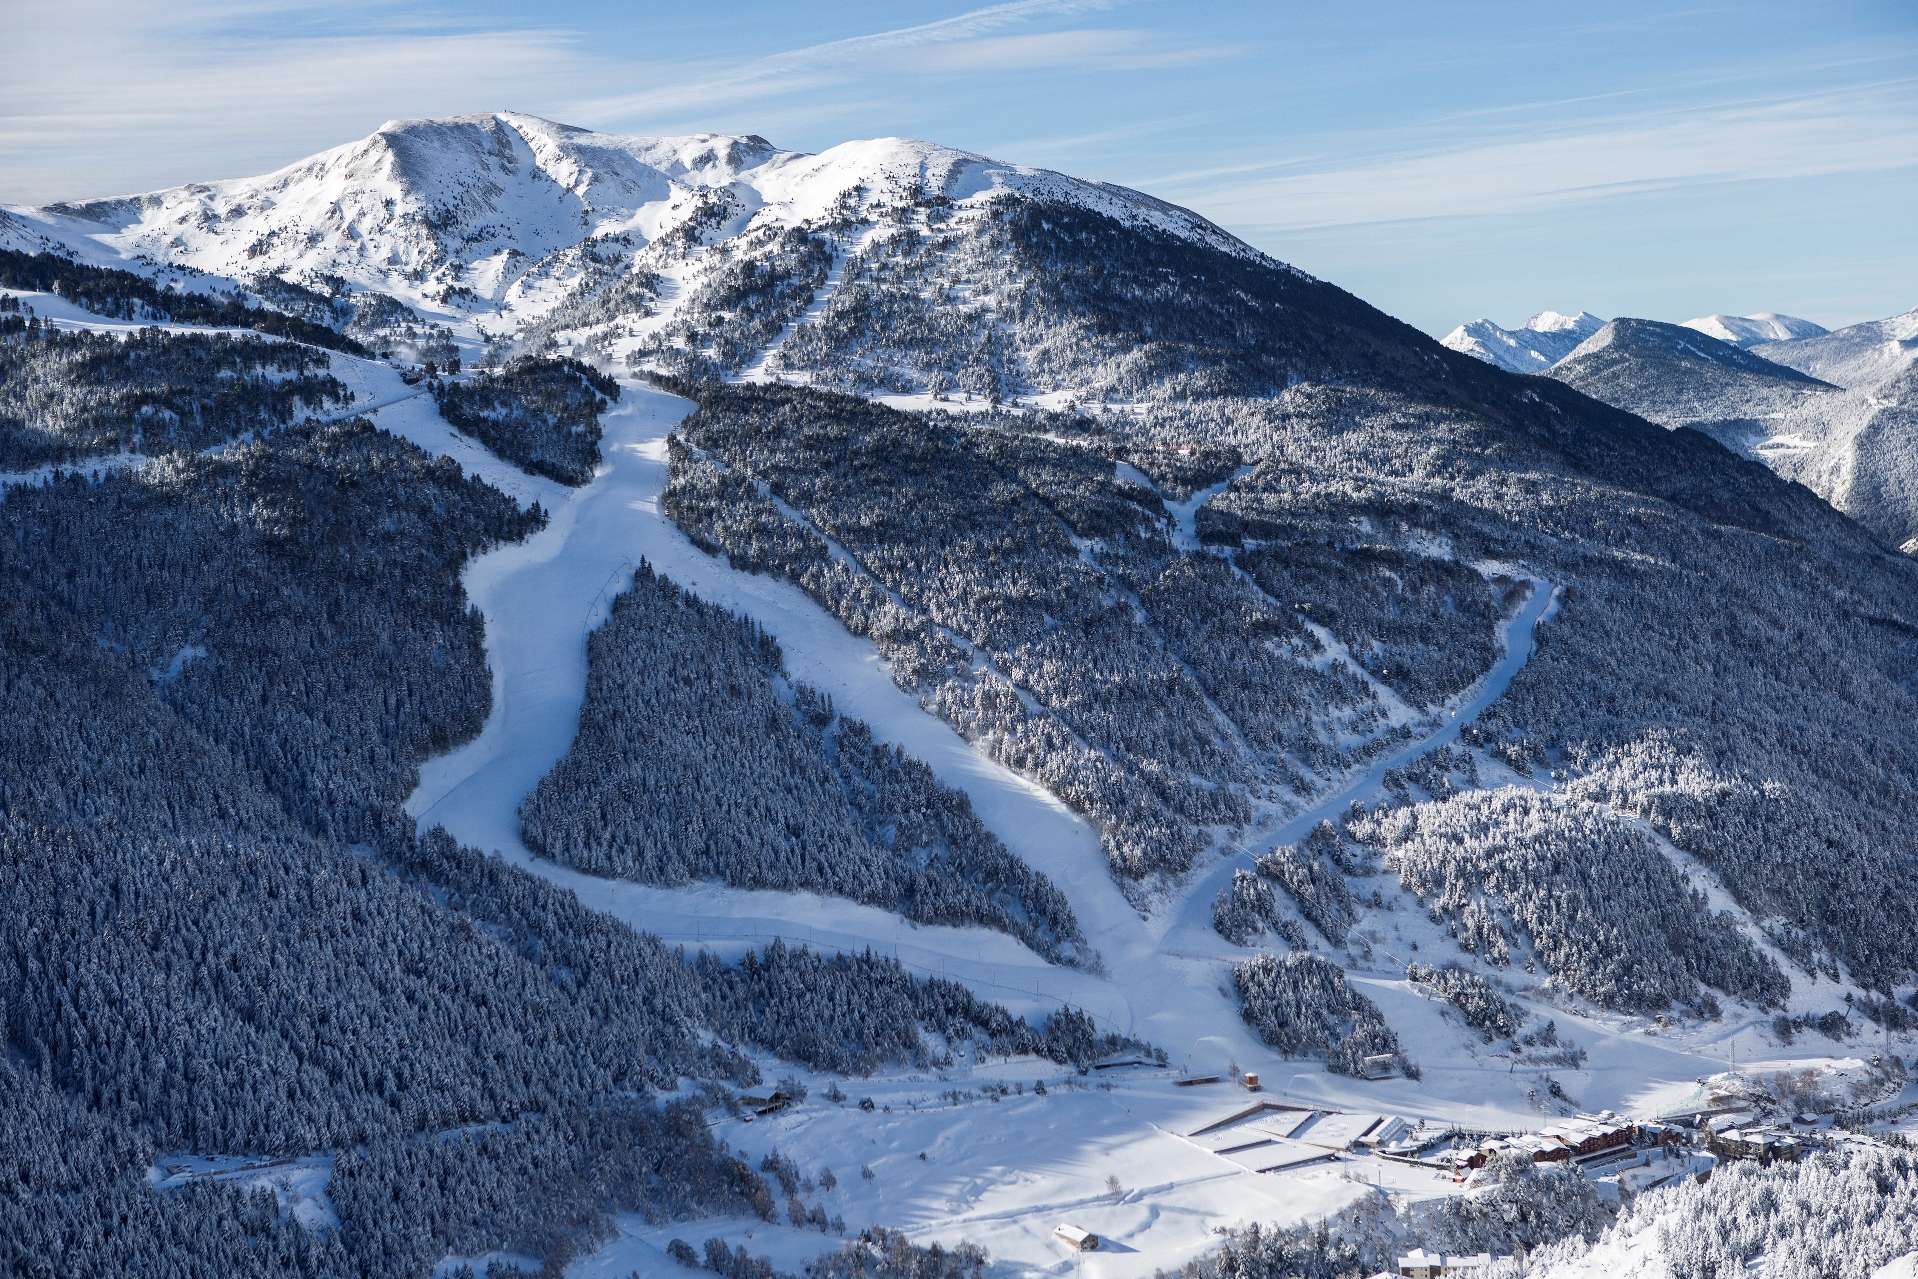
column 879, row 1253
column 761, row 282
column 608, row 288
column 1833, row 1215
column 69, row 395
column 122, row 295
column 1312, row 873
column 875, row 1253
column 697, row 759
column 1302, row 1005
column 1034, row 599
column 1484, row 1007
column 852, row 1014
column 219, row 933
column 540, row 414
column 1519, row 1207
column 1595, row 898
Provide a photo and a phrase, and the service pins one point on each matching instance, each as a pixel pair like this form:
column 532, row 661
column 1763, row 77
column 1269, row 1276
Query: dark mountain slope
column 1037, row 296
column 1706, row 605
column 1677, row 376
column 215, row 672
column 1732, row 658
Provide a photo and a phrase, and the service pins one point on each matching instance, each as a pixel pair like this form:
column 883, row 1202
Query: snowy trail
column 1007, row 1174
column 1194, row 928
column 540, row 598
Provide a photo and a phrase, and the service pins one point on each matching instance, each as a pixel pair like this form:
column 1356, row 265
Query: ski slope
column 999, row 1173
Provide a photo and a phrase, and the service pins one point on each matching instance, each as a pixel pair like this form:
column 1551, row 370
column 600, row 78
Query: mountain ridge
column 452, row 182
column 1750, row 330
column 1539, row 343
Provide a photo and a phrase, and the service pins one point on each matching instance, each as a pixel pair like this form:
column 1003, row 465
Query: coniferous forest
column 221, row 934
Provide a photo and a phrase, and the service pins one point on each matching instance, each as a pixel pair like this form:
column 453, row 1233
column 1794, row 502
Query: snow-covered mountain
column 487, row 224
column 1750, row 330
column 1855, row 357
column 1266, row 687
column 1539, row 343
column 1857, row 448
column 1677, row 376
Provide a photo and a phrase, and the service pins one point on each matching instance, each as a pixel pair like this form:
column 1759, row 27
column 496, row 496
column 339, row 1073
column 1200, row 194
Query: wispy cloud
column 208, row 88
column 1867, row 130
column 202, row 90
column 965, row 41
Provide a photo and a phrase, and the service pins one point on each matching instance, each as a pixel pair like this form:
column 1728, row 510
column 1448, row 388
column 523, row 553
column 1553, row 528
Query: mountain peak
column 1553, row 322
column 1745, row 331
column 1533, row 347
column 1655, row 339
column 452, row 213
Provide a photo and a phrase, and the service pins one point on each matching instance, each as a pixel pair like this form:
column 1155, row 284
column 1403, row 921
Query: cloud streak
column 191, row 94
column 1812, row 135
column 967, row 41
column 212, row 88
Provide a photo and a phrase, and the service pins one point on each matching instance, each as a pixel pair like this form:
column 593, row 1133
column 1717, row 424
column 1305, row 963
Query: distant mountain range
column 1533, row 347
column 1854, row 358
column 1677, row 376
column 1833, row 410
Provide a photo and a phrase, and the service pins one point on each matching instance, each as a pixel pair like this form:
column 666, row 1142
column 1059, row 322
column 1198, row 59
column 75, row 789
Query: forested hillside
column 698, row 758
column 541, row 415
column 1042, row 295
column 1036, row 601
column 1263, row 540
column 1729, row 655
column 220, row 934
column 1846, row 1214
column 1702, row 603
column 66, row 396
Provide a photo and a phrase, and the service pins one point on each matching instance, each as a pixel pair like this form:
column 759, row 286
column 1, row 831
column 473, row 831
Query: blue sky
column 1442, row 160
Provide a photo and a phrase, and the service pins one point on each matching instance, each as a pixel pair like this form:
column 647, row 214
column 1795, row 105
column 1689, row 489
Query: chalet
column 1077, row 1238
column 765, row 1103
column 1420, row 1264
column 1584, row 1140
column 1542, row 1148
